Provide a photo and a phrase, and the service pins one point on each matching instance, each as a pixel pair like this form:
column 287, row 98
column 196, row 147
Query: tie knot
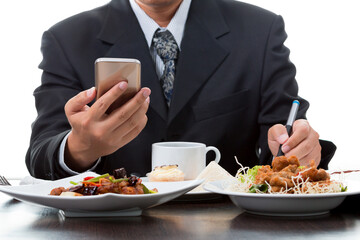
column 165, row 45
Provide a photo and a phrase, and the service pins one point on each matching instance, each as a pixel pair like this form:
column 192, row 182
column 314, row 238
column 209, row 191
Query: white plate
column 192, row 196
column 285, row 204
column 146, row 180
column 109, row 204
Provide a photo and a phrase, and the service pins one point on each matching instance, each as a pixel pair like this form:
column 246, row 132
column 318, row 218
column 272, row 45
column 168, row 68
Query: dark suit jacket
column 233, row 81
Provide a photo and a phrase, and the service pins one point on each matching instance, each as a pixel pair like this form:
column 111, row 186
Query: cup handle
column 217, row 153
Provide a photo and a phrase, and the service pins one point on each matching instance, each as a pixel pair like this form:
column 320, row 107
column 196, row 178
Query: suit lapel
column 201, row 53
column 122, row 30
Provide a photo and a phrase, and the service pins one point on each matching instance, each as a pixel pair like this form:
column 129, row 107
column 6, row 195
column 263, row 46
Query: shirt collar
column 176, row 25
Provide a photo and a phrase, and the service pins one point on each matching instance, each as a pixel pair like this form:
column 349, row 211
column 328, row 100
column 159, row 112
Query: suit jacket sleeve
column 58, row 84
column 279, row 89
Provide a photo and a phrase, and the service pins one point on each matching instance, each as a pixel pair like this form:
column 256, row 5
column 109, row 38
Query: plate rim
column 5, row 189
column 87, row 203
column 282, row 204
column 349, row 192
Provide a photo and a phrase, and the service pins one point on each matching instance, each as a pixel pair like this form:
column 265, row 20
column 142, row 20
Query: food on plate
column 117, row 183
column 70, row 194
column 285, row 175
column 166, row 173
column 212, row 172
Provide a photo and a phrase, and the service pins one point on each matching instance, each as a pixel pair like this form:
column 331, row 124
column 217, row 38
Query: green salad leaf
column 251, row 173
column 260, row 187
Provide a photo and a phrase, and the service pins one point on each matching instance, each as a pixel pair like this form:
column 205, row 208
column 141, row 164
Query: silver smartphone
column 110, row 71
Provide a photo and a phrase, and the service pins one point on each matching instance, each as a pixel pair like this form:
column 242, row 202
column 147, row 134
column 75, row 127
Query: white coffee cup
column 189, row 156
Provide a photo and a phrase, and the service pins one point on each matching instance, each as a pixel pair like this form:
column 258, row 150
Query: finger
column 128, row 131
column 134, row 133
column 122, row 114
column 102, row 104
column 277, row 135
column 79, row 102
column 300, row 131
column 314, row 155
column 309, row 148
column 302, row 150
column 137, row 120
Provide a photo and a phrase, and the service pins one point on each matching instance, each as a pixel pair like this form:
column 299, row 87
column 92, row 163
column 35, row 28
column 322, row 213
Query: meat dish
column 285, row 175
column 117, row 183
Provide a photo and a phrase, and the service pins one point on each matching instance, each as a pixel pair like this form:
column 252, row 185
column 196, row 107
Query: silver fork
column 4, row 181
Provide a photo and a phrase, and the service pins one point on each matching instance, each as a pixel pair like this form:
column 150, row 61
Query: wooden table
column 217, row 219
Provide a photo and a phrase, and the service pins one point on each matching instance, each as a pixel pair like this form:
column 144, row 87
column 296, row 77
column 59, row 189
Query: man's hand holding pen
column 296, row 138
column 303, row 142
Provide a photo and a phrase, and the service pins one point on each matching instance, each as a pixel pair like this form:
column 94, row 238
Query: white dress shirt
column 149, row 27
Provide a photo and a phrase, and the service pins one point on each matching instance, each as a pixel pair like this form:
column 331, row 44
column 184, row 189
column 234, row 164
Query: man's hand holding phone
column 94, row 132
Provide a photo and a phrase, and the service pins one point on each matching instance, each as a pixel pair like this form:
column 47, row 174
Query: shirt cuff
column 62, row 159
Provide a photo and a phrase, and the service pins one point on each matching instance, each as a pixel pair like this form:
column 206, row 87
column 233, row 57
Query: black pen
column 290, row 121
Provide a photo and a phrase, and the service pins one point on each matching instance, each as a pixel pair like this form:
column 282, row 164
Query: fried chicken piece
column 279, row 163
column 281, row 181
column 264, row 173
column 322, row 175
column 286, row 174
column 293, row 160
column 314, row 175
column 290, row 168
column 282, row 162
column 265, row 169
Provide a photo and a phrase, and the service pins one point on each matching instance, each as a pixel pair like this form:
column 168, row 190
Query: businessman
column 213, row 71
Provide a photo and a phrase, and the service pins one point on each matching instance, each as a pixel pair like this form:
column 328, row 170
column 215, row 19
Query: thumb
column 277, row 135
column 78, row 102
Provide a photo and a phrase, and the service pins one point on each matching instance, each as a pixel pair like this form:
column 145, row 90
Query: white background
column 324, row 40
